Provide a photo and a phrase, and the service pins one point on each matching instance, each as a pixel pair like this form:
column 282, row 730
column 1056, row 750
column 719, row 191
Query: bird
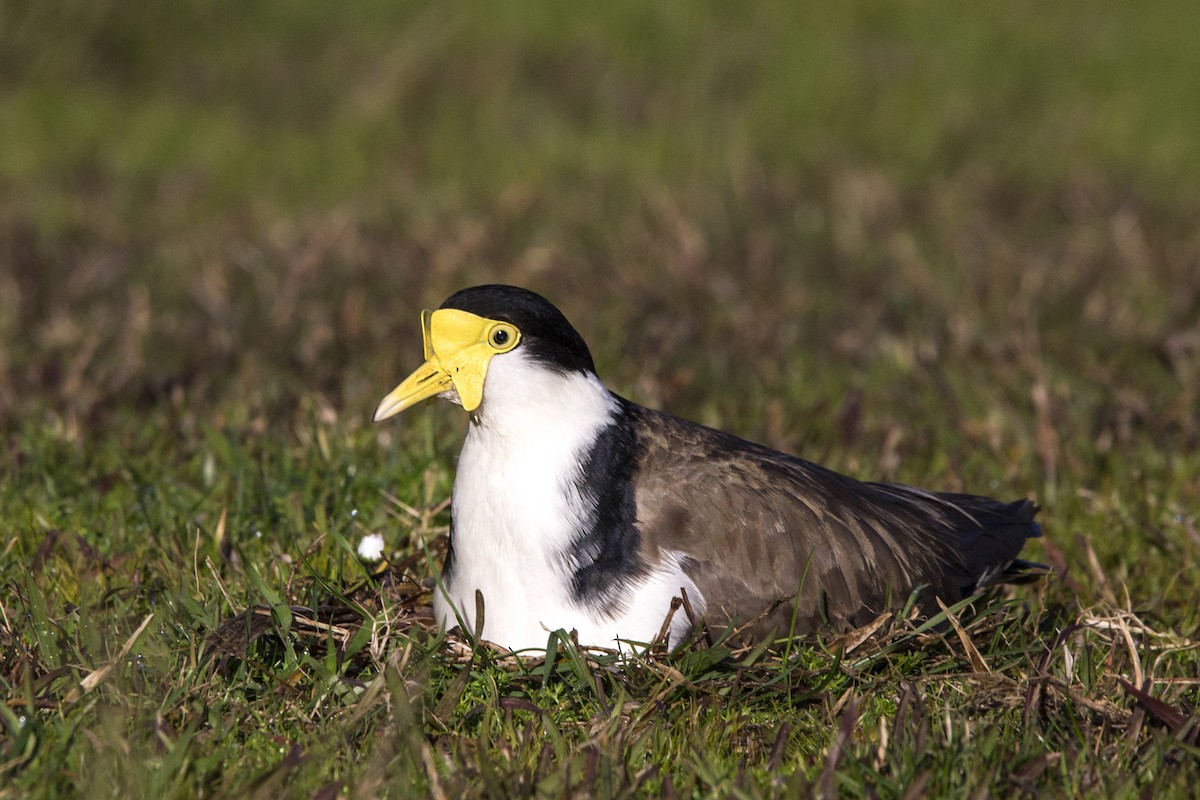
column 574, row 509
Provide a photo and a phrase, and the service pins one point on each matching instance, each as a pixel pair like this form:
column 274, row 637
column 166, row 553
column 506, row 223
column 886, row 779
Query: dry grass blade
column 96, row 677
column 827, row 787
column 917, row 789
column 978, row 663
column 775, row 759
column 1098, row 573
column 1174, row 720
column 855, row 638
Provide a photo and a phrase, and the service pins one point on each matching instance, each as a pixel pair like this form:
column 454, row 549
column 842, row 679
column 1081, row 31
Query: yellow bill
column 458, row 347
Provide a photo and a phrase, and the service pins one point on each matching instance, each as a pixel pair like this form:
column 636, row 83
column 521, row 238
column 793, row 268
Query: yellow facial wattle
column 459, row 346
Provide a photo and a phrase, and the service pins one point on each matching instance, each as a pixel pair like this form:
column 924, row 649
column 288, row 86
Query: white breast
column 517, row 508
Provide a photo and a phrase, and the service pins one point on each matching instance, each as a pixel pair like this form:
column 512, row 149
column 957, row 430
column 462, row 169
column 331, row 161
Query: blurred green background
column 256, row 197
column 949, row 244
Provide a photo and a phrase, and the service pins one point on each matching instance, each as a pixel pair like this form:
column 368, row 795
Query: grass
column 953, row 247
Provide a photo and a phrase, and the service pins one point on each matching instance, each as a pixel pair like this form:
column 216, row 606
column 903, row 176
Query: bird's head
column 473, row 327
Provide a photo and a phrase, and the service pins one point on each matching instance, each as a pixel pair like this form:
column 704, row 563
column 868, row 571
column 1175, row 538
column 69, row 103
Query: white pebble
column 370, row 547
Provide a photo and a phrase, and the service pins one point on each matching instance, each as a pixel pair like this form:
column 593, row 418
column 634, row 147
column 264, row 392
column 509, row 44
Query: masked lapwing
column 574, row 508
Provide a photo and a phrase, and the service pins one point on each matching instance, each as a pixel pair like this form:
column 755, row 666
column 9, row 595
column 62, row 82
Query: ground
column 955, row 247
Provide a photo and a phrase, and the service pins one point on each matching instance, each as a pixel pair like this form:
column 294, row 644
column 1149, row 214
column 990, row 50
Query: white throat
column 516, row 502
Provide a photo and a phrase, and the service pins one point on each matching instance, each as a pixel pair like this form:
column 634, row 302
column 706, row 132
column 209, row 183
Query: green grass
column 950, row 246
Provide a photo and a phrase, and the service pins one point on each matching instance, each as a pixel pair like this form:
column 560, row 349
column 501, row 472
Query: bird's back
column 795, row 546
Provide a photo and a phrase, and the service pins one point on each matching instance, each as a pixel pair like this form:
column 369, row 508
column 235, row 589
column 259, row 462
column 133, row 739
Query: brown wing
column 763, row 530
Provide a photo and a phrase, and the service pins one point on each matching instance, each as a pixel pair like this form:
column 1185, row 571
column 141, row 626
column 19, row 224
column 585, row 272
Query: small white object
column 370, row 547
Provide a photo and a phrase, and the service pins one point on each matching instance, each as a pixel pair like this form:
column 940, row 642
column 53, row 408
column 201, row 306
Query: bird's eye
column 503, row 338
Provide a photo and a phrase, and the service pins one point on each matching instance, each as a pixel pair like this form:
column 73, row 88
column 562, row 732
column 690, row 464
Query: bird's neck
column 516, row 493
